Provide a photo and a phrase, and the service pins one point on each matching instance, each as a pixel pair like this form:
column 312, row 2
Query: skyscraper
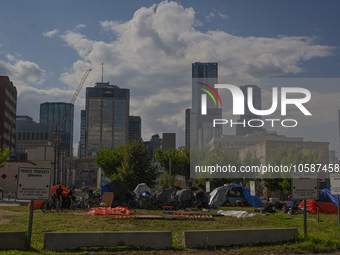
column 202, row 73
column 135, row 127
column 81, row 149
column 8, row 110
column 256, row 96
column 53, row 113
column 107, row 117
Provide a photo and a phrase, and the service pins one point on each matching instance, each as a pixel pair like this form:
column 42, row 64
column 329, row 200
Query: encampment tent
column 232, row 192
column 119, row 190
column 142, row 187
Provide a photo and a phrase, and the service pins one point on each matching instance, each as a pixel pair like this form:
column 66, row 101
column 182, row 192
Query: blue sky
column 148, row 47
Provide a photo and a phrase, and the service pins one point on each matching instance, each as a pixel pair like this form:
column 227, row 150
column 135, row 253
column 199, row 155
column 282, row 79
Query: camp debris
column 120, row 210
column 142, row 187
column 237, row 214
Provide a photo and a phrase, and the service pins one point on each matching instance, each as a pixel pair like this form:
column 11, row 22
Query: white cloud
column 210, row 16
column 223, row 16
column 153, row 52
column 51, row 33
column 80, row 26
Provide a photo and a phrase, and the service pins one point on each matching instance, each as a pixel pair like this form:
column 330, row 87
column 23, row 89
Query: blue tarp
column 249, row 198
column 333, row 198
column 104, row 189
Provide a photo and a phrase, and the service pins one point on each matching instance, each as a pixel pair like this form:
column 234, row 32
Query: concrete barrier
column 59, row 241
column 15, row 240
column 195, row 239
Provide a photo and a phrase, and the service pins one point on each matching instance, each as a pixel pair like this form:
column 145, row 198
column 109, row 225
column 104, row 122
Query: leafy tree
column 136, row 166
column 293, row 156
column 3, row 156
column 110, row 159
column 180, row 164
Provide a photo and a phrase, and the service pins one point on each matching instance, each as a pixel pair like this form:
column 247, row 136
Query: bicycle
column 47, row 205
column 59, row 203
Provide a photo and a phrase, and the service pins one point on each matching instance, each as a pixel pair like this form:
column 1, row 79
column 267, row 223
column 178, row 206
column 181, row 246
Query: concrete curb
column 59, row 241
column 14, row 240
column 196, row 239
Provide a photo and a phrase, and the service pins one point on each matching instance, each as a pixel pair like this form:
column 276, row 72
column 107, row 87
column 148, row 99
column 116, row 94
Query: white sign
column 34, row 183
column 335, row 184
column 305, row 186
column 252, row 188
column 207, row 186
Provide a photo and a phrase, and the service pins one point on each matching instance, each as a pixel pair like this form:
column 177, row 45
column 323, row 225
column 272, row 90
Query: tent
column 119, row 190
column 38, row 203
column 142, row 187
column 332, row 198
column 326, row 207
column 232, row 192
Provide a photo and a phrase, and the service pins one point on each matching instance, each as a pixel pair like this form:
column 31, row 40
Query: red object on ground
column 242, row 204
column 38, row 203
column 167, row 207
column 185, row 213
column 120, row 210
column 326, row 208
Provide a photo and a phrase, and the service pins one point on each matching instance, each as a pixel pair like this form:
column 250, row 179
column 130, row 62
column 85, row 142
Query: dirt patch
column 4, row 213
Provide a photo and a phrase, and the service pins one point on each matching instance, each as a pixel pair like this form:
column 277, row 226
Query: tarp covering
column 219, row 195
column 38, row 203
column 119, row 190
column 326, row 208
column 120, row 210
column 173, row 196
column 142, row 187
column 333, row 198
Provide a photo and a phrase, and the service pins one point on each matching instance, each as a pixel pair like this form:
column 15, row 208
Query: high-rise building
column 202, row 73
column 135, row 127
column 31, row 135
column 152, row 145
column 81, row 148
column 107, row 117
column 169, row 141
column 243, row 129
column 8, row 110
column 53, row 113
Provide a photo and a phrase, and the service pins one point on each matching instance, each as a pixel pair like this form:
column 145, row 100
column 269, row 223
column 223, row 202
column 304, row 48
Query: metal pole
column 305, row 215
column 169, row 172
column 318, row 215
column 30, row 224
column 254, row 202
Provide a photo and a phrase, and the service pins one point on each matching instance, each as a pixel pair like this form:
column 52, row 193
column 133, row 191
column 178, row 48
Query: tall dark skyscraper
column 107, row 117
column 202, row 73
column 135, row 127
column 240, row 129
column 81, row 148
column 53, row 113
column 8, row 110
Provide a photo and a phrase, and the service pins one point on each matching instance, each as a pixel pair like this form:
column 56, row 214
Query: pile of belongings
column 237, row 214
column 120, row 210
column 175, row 196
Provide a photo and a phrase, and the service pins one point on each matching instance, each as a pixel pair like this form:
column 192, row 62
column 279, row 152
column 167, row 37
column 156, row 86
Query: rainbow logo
column 208, row 92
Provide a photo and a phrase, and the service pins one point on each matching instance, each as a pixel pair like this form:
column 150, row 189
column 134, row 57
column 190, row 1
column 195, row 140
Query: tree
column 294, row 156
column 4, row 156
column 136, row 166
column 110, row 159
column 180, row 164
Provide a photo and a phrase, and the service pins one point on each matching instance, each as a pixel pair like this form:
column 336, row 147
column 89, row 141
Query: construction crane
column 62, row 122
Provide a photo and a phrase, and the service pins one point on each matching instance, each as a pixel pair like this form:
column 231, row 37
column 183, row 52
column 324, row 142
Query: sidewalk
column 12, row 202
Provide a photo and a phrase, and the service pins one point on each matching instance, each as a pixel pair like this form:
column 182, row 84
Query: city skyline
column 46, row 57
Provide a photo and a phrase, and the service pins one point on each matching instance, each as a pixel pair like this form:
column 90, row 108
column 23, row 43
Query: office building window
column 41, row 136
column 19, row 136
column 23, row 136
column 32, row 136
column 46, row 136
column 28, row 136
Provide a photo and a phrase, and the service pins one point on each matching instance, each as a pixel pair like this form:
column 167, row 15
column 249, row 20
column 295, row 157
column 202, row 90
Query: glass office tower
column 107, row 117
column 53, row 113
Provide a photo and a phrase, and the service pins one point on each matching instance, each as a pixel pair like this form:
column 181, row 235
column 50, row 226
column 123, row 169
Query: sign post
column 305, row 186
column 252, row 192
column 33, row 184
column 207, row 186
column 335, row 189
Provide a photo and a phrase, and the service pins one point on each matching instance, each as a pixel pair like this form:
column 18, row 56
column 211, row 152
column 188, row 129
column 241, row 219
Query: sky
column 149, row 46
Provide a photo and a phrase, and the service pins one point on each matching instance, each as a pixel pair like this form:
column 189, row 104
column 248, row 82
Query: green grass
column 322, row 237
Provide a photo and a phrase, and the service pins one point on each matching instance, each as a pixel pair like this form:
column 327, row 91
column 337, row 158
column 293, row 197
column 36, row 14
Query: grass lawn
column 323, row 237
